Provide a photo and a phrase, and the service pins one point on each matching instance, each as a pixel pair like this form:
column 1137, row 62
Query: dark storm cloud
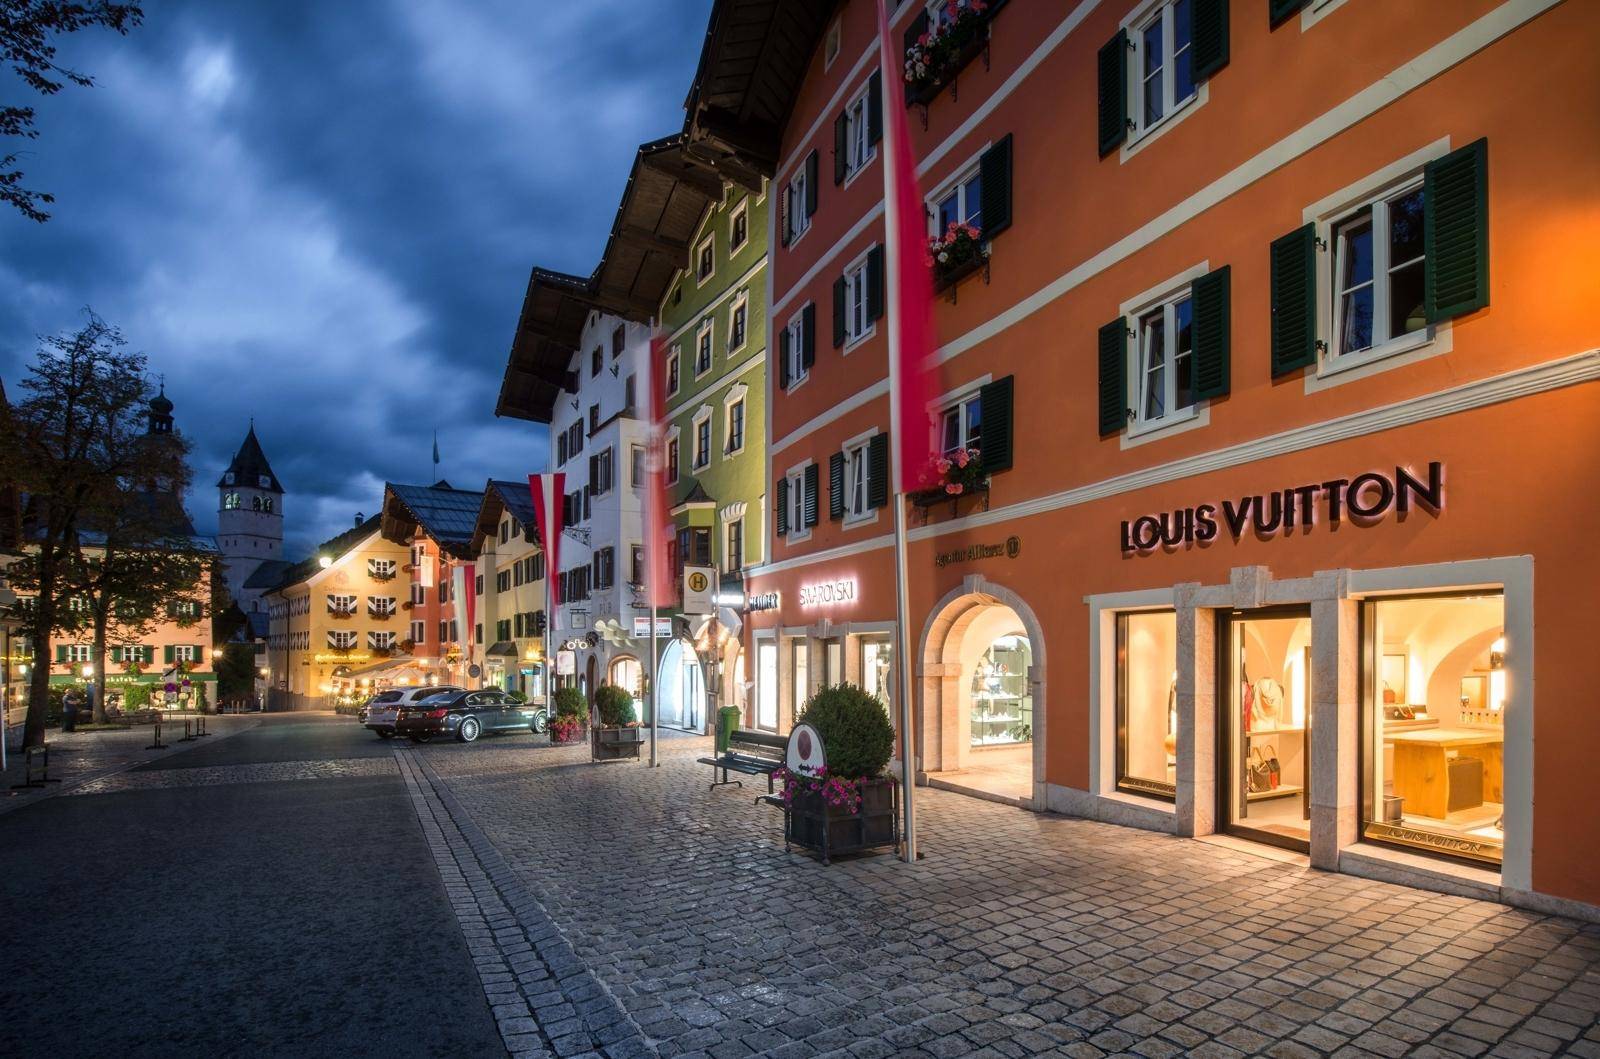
column 322, row 216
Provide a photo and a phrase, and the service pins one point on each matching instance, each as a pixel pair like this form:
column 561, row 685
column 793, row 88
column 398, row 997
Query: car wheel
column 468, row 732
column 422, row 737
column 384, row 733
column 540, row 723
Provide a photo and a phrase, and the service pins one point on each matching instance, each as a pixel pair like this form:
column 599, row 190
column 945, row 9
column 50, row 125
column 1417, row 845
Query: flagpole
column 655, row 690
column 902, row 605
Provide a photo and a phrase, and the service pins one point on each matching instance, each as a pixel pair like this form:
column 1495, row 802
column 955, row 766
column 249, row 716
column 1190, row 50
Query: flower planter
column 924, row 91
column 566, row 731
column 615, row 744
column 811, row 823
column 945, row 278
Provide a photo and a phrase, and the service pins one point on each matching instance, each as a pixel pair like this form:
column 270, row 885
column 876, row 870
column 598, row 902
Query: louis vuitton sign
column 1364, row 500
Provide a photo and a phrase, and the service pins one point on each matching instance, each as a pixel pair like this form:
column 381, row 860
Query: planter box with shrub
column 849, row 805
column 618, row 735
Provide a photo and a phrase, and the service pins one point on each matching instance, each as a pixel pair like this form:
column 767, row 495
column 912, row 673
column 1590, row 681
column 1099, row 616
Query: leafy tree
column 27, row 29
column 236, row 672
column 83, row 389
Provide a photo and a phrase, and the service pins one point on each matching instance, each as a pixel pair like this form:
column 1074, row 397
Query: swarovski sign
column 842, row 590
column 1364, row 500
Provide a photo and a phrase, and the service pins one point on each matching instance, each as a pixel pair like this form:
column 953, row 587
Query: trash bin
column 727, row 721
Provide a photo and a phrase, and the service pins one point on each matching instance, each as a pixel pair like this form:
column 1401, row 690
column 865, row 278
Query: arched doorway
column 589, row 680
column 982, row 708
column 627, row 674
column 682, row 687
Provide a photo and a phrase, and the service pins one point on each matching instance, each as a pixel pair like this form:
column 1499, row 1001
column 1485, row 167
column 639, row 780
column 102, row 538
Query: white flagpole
column 902, row 605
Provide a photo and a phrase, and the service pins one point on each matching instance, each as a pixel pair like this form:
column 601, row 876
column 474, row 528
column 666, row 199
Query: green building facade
column 714, row 320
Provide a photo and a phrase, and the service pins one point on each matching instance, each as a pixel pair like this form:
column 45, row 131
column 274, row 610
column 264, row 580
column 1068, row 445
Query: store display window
column 767, row 685
column 802, row 687
column 1434, row 684
column 1002, row 706
column 1147, row 703
column 877, row 669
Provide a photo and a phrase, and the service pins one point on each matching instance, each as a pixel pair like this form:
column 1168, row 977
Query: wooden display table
column 1422, row 771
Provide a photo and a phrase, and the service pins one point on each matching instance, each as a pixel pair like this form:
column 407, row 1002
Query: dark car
column 465, row 715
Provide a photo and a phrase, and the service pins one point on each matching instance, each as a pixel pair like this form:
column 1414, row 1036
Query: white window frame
column 1376, row 211
column 728, row 563
column 1431, row 341
column 186, row 652
column 702, row 418
column 1139, row 366
column 674, row 369
column 796, row 327
column 735, row 398
column 1198, row 414
column 832, row 43
column 672, row 470
column 958, row 406
column 338, row 639
column 637, row 466
column 741, row 301
column 859, row 150
column 798, row 530
column 80, row 652
column 1174, row 110
column 380, row 639
column 795, row 217
column 337, row 602
column 957, row 183
column 855, row 301
column 700, row 248
column 419, row 632
column 741, row 210
column 704, row 340
column 858, row 479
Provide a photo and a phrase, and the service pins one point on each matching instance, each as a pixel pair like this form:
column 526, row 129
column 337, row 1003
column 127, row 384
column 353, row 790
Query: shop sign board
column 697, row 585
column 804, row 754
column 641, row 628
column 763, row 601
column 566, row 663
column 825, row 593
column 1364, row 500
column 1009, row 548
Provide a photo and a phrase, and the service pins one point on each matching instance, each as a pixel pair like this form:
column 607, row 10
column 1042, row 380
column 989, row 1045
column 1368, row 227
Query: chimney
column 359, row 519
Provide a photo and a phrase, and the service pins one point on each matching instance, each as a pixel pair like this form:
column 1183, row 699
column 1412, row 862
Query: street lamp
column 324, row 561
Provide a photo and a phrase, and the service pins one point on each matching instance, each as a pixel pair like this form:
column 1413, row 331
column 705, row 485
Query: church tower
column 249, row 519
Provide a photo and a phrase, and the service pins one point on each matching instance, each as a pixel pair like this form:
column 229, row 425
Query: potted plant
column 956, row 253
column 951, row 41
column 849, row 804
column 568, row 724
column 618, row 735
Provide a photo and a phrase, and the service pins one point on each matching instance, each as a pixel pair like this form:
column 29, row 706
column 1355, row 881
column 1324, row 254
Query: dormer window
column 263, row 481
column 227, row 479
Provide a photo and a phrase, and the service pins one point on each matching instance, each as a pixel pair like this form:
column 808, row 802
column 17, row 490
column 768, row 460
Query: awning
column 379, row 667
column 504, row 649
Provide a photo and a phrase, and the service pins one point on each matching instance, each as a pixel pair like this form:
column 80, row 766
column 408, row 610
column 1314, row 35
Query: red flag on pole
column 548, row 492
column 910, row 282
column 658, row 576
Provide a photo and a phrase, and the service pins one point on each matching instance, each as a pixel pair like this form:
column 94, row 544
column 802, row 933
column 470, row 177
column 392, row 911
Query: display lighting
column 1497, row 675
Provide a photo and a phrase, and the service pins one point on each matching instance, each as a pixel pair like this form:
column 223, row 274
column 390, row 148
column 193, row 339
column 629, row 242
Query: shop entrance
column 982, row 705
column 682, row 687
column 1264, row 781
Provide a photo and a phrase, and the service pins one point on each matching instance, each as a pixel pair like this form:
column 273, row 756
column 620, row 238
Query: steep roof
column 249, row 466
column 446, row 515
column 267, row 574
column 504, row 497
column 334, row 548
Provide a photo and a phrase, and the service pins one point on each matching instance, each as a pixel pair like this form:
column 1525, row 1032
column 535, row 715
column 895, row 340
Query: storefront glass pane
column 1147, row 703
column 1267, row 767
column 802, row 687
column 877, row 668
column 767, row 686
column 1002, row 708
column 1435, row 685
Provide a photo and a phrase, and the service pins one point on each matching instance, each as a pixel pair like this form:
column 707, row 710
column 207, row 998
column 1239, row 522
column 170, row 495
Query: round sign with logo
column 805, row 755
column 474, row 671
column 698, row 582
column 171, row 688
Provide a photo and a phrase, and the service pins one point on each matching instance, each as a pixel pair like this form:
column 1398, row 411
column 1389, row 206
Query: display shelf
column 1273, row 731
column 1276, row 792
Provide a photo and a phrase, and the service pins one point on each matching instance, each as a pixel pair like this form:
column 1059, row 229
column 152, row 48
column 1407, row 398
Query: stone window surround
column 1335, row 598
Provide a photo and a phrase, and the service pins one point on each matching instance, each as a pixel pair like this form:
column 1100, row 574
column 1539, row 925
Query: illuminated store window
column 767, row 686
column 802, row 655
column 1434, row 682
column 1002, row 707
column 877, row 669
column 1147, row 703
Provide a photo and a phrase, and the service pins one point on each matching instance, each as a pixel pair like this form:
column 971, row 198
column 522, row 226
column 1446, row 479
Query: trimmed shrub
column 615, row 706
column 855, row 729
column 571, row 703
column 517, row 696
column 135, row 696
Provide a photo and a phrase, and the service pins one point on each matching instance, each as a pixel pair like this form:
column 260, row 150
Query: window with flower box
column 341, row 605
column 967, row 213
column 380, row 641
column 941, row 40
column 381, row 569
column 341, row 639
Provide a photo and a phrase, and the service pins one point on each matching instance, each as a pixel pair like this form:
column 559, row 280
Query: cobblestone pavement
column 81, row 757
column 1019, row 934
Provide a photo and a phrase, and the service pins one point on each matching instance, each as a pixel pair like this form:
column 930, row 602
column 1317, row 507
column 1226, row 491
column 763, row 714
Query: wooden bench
column 750, row 753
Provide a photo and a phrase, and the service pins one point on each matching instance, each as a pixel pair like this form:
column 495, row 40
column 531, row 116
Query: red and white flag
column 548, row 492
column 657, row 574
column 909, row 280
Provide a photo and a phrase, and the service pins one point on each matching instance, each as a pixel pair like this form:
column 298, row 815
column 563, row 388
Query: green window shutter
column 808, row 335
column 994, row 170
column 811, row 495
column 61, row 652
column 838, row 312
column 1113, row 377
column 783, row 506
column 875, row 107
column 167, row 654
column 1280, row 10
column 836, row 486
column 1213, row 332
column 783, row 358
column 811, row 183
column 875, row 282
column 994, row 419
column 1210, row 37
column 1455, row 232
column 1113, row 78
column 841, row 148
column 878, row 470
column 1294, row 300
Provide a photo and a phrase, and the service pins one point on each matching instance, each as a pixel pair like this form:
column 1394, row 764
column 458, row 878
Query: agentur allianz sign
column 1364, row 500
column 842, row 590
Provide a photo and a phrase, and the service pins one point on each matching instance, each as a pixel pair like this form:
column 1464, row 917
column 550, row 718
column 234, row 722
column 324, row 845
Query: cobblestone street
column 1018, row 934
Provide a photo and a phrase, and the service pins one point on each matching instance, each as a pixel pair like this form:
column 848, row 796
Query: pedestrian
column 71, row 703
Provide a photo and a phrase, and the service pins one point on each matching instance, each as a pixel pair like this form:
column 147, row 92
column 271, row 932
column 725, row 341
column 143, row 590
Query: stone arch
column 939, row 734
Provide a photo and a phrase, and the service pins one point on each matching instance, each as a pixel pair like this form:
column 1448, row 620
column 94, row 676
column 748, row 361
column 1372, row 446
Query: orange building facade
column 1280, row 372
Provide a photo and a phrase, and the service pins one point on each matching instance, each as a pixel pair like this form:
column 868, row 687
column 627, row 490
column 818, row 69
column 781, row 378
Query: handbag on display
column 1388, row 694
column 1274, row 767
column 1259, row 773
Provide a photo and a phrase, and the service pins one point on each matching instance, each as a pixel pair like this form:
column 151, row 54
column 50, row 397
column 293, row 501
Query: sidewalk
column 77, row 758
column 1019, row 934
